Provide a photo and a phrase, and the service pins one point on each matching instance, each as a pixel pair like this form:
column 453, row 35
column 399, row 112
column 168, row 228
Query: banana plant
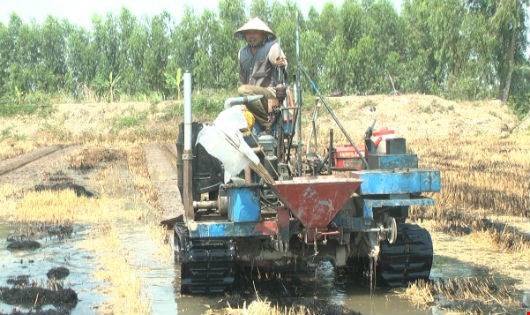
column 178, row 80
column 175, row 82
column 112, row 85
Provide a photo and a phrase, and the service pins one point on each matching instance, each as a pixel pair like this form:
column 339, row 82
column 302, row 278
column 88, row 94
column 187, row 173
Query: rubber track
column 206, row 266
column 409, row 259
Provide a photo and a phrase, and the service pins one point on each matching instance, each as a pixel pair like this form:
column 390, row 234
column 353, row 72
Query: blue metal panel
column 391, row 161
column 383, row 182
column 243, row 204
column 369, row 204
column 231, row 229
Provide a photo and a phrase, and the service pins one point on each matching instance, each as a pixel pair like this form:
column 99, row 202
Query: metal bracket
column 369, row 204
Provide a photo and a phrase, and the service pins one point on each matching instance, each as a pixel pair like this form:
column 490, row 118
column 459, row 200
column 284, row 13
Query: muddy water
column 357, row 297
column 156, row 274
column 158, row 277
column 53, row 253
column 447, row 267
column 319, row 287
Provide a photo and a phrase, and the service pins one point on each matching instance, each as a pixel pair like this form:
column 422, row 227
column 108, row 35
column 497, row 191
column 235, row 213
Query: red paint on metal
column 347, row 157
column 283, row 217
column 310, row 235
column 316, row 200
column 267, row 227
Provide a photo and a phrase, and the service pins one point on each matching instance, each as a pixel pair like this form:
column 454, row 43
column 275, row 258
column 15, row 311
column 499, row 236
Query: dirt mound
column 411, row 115
column 419, row 116
column 89, row 158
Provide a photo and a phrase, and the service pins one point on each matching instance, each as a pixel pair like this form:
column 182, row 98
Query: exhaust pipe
column 238, row 100
column 187, row 154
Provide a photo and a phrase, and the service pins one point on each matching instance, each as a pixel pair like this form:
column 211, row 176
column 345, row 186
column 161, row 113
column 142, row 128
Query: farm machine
column 259, row 199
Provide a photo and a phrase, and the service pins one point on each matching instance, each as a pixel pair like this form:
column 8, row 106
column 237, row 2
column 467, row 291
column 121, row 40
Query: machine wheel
column 206, row 265
column 391, row 225
column 408, row 259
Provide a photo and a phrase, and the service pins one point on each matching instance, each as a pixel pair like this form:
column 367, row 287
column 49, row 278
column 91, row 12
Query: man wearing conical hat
column 258, row 63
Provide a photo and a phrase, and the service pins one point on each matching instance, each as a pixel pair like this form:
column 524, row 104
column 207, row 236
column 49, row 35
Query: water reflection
column 53, row 253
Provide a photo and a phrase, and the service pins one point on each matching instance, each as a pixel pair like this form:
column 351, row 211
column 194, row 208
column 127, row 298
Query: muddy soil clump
column 20, row 280
column 38, row 296
column 60, row 181
column 78, row 189
column 25, row 235
column 58, row 273
column 23, row 245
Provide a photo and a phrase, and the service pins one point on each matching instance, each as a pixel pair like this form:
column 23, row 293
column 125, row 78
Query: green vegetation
column 134, row 119
column 463, row 49
column 22, row 104
column 8, row 134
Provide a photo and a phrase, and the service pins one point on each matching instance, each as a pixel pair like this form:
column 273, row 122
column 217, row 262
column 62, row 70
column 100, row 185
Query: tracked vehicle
column 261, row 200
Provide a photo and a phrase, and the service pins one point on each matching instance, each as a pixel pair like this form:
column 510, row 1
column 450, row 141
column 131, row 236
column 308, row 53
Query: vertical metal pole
column 331, row 153
column 299, row 102
column 187, row 155
column 248, row 175
column 332, row 113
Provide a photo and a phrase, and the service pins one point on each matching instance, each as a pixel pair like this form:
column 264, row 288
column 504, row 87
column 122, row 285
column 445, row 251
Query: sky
column 80, row 12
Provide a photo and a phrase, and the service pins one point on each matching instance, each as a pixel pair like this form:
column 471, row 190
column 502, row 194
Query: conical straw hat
column 254, row 24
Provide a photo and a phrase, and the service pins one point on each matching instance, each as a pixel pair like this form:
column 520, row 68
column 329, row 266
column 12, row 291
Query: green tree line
column 465, row 49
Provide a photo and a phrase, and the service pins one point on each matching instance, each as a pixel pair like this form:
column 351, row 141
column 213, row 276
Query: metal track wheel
column 391, row 234
column 206, row 265
column 408, row 259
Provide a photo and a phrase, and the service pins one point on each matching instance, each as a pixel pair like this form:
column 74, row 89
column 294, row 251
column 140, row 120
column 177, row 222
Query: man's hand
column 280, row 62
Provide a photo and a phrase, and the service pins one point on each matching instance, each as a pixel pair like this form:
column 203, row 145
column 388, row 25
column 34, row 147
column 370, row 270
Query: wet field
column 316, row 289
column 32, row 265
column 160, row 283
column 113, row 188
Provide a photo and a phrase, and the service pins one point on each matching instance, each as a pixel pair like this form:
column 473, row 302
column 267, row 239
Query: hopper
column 315, row 200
